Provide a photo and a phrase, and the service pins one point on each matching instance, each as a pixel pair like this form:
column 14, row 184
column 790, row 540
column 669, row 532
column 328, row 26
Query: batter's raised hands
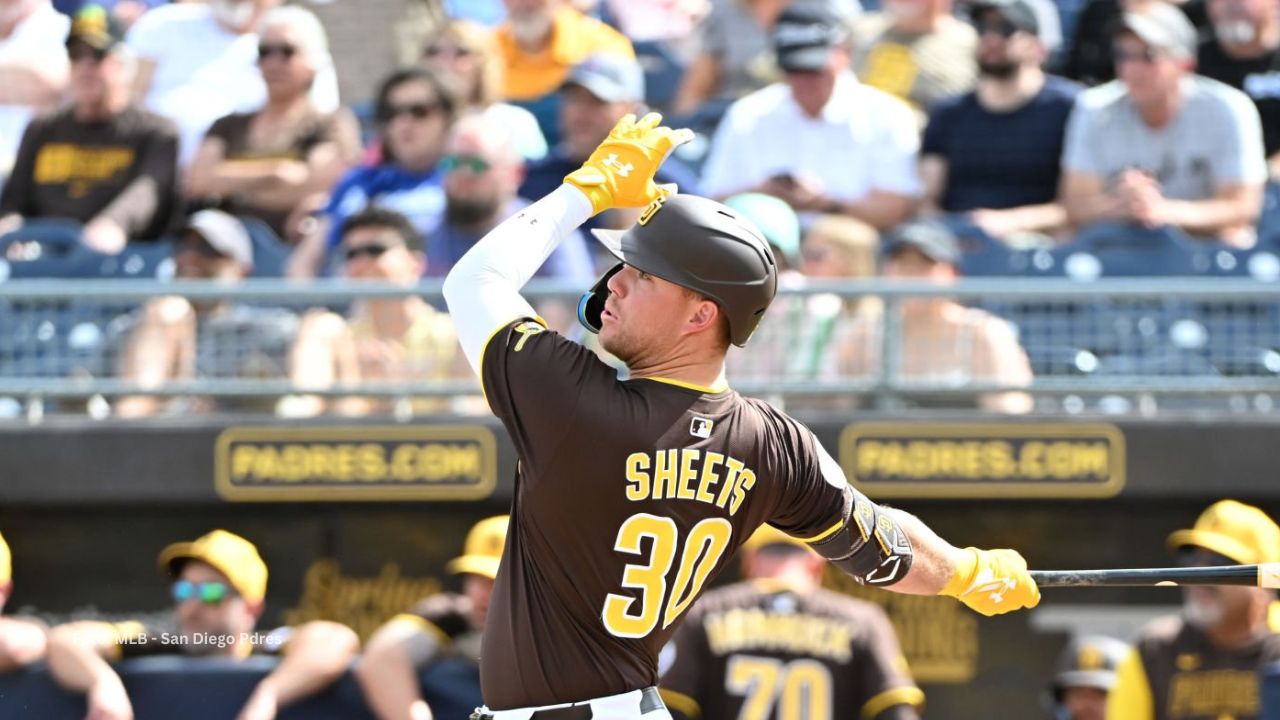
column 620, row 171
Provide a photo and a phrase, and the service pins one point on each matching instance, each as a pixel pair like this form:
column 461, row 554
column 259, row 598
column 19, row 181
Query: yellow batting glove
column 993, row 582
column 620, row 172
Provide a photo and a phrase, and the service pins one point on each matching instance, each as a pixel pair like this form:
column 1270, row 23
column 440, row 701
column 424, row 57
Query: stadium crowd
column 923, row 139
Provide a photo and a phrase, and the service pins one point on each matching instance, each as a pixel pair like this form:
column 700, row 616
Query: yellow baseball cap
column 769, row 535
column 482, row 552
column 1241, row 532
column 6, row 562
column 229, row 554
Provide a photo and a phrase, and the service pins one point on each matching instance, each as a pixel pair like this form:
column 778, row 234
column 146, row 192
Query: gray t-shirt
column 1215, row 139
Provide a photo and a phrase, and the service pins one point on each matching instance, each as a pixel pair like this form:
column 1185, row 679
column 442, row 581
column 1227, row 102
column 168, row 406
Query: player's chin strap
column 591, row 304
column 869, row 546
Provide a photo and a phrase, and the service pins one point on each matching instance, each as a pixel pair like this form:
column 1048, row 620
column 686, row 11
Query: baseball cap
column 224, row 233
column 482, row 552
column 229, row 554
column 1019, row 13
column 1089, row 661
column 6, row 562
column 1235, row 530
column 95, row 27
column 933, row 239
column 775, row 219
column 766, row 535
column 805, row 34
column 1162, row 25
column 610, row 77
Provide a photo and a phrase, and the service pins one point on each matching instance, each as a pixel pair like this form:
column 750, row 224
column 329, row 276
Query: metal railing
column 1212, row 339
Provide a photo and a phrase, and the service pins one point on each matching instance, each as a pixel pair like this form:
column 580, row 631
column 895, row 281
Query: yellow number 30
column 702, row 550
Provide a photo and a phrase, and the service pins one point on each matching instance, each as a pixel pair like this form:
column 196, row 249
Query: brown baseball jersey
column 759, row 651
column 630, row 496
column 1189, row 678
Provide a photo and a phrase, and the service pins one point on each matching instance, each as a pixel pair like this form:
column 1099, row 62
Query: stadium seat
column 269, row 252
column 663, row 70
column 983, row 255
column 1269, row 220
column 1123, row 250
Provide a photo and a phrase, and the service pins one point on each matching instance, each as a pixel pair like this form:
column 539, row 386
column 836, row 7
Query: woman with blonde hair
column 464, row 52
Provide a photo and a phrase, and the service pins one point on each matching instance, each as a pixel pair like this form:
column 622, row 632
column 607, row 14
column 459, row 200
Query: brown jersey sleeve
column 534, row 379
column 881, row 671
column 815, row 499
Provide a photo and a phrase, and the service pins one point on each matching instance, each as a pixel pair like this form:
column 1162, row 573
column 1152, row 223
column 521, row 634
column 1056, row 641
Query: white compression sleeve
column 483, row 287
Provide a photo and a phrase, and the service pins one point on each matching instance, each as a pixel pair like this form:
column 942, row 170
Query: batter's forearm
column 934, row 560
column 483, row 288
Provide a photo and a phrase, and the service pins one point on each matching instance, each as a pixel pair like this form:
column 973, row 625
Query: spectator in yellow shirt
column 539, row 43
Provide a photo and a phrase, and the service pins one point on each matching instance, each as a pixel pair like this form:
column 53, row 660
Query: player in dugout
column 439, row 637
column 632, row 493
column 219, row 584
column 1204, row 663
column 778, row 645
column 1084, row 676
column 22, row 640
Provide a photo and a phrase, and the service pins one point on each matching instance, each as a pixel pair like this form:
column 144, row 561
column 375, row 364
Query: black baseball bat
column 1265, row 575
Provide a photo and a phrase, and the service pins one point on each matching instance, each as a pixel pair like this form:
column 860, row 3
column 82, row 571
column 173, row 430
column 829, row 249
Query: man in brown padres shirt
column 779, row 646
column 1203, row 665
column 632, row 494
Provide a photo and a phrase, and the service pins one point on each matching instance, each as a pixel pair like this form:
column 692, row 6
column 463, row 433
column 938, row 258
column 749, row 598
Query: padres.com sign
column 984, row 460
column 418, row 462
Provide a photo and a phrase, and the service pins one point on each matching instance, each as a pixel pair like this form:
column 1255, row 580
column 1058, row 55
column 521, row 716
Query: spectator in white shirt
column 199, row 62
column 33, row 67
column 819, row 140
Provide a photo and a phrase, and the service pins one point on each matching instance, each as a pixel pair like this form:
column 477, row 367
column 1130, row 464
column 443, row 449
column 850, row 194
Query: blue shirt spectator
column 1000, row 159
column 418, row 195
column 994, row 153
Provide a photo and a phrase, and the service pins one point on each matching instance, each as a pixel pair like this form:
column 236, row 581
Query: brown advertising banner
column 333, row 463
column 984, row 460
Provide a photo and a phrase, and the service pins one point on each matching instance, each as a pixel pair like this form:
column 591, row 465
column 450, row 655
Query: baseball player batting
column 632, row 494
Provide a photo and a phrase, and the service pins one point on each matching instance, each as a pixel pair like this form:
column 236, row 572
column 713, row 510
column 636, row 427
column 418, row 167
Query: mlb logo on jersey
column 701, row 427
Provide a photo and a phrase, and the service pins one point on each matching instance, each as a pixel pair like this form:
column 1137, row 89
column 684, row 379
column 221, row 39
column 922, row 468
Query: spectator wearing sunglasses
column 993, row 153
column 482, row 173
column 1160, row 146
column 397, row 339
column 416, row 108
column 266, row 163
column 219, row 584
column 101, row 160
column 175, row 339
column 465, row 52
column 437, row 641
column 22, row 640
column 198, row 62
column 1204, row 662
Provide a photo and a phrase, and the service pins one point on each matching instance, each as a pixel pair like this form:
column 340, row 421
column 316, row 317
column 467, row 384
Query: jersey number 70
column 703, row 548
